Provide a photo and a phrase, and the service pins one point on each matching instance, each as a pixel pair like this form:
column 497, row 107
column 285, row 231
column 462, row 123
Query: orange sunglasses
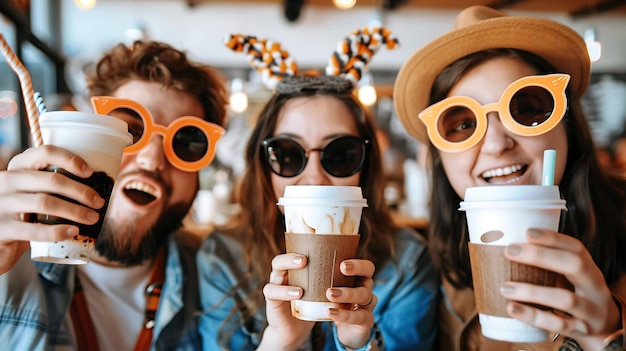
column 530, row 106
column 188, row 142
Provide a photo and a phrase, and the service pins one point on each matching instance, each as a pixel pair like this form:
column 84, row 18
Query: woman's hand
column 590, row 315
column 25, row 188
column 284, row 332
column 354, row 323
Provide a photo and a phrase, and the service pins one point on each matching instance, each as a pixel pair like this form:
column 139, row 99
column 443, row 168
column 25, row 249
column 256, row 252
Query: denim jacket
column 35, row 297
column 407, row 291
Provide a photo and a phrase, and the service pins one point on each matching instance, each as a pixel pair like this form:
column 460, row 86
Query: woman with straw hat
column 481, row 143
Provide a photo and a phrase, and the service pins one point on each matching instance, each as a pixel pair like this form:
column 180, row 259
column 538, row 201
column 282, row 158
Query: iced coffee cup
column 100, row 140
column 322, row 223
column 498, row 216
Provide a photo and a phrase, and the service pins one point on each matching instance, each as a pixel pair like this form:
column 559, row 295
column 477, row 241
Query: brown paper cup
column 324, row 253
column 490, row 269
column 498, row 216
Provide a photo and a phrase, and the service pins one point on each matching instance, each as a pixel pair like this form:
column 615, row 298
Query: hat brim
column 556, row 43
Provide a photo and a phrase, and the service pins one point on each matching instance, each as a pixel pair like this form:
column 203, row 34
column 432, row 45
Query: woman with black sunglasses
column 314, row 131
column 489, row 98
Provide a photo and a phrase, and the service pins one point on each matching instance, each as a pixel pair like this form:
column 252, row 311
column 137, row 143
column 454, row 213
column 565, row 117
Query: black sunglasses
column 341, row 158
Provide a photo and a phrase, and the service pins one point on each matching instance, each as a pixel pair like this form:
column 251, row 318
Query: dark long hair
column 596, row 201
column 260, row 224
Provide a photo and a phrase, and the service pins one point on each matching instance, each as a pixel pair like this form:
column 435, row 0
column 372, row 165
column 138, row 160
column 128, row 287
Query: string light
column 85, row 4
column 344, row 4
column 594, row 47
column 238, row 99
column 366, row 92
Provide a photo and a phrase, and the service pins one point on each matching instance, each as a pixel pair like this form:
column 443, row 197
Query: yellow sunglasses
column 530, row 106
column 188, row 142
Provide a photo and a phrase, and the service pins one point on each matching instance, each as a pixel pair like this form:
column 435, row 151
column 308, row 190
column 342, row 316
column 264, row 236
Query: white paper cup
column 100, row 140
column 322, row 209
column 498, row 216
column 322, row 223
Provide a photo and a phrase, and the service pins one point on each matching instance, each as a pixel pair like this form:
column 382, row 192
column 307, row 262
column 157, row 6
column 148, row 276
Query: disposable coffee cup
column 100, row 140
column 498, row 216
column 322, row 223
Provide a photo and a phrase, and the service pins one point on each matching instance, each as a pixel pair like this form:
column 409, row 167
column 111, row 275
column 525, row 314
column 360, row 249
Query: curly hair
column 153, row 61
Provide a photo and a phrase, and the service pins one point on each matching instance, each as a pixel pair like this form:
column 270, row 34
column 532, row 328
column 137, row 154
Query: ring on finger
column 369, row 303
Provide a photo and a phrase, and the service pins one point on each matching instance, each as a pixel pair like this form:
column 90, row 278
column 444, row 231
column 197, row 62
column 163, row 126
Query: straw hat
column 478, row 28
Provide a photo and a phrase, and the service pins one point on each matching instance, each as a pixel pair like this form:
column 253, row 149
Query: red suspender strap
column 153, row 294
column 83, row 326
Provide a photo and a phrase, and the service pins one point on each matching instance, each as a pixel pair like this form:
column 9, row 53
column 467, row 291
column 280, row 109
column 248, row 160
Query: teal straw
column 39, row 103
column 549, row 164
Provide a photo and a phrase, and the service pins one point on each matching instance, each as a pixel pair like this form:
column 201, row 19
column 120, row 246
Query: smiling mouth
column 140, row 193
column 504, row 175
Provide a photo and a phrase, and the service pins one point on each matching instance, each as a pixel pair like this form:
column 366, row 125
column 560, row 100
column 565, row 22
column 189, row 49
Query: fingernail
column 347, row 266
column 85, row 168
column 514, row 250
column 98, row 201
column 93, row 216
column 335, row 292
column 297, row 259
column 295, row 292
column 507, row 289
column 333, row 311
column 534, row 233
column 72, row 231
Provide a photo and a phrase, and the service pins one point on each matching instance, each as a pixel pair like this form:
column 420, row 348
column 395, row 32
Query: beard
column 120, row 242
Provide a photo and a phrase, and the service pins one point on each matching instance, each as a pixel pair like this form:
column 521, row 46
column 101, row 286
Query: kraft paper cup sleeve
column 324, row 254
column 490, row 269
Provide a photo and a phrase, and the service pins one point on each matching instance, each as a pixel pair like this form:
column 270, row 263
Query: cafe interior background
column 59, row 41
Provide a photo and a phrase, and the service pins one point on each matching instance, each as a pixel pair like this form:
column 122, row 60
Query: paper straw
column 27, row 90
column 549, row 165
column 41, row 106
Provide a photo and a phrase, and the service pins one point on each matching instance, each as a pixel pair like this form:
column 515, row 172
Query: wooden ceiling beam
column 567, row 6
column 598, row 8
column 502, row 4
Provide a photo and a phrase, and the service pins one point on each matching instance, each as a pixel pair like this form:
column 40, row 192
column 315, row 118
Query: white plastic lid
column 323, row 195
column 521, row 204
column 321, row 202
column 507, row 196
column 324, row 191
column 512, row 192
column 86, row 121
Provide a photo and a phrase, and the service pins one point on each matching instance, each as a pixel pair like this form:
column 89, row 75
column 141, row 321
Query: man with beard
column 138, row 263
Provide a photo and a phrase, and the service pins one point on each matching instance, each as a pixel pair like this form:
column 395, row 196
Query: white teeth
column 498, row 172
column 146, row 188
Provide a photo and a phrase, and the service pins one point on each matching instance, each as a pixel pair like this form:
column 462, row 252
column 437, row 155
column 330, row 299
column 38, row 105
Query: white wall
column 310, row 40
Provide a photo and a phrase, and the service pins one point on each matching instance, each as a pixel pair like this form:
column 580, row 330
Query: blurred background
column 60, row 40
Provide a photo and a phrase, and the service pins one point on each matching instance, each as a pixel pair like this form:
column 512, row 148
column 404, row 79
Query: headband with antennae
column 350, row 58
column 355, row 51
column 265, row 56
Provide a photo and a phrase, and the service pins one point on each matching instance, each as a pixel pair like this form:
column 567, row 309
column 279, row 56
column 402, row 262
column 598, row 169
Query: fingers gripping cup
column 496, row 217
column 322, row 223
column 100, row 141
